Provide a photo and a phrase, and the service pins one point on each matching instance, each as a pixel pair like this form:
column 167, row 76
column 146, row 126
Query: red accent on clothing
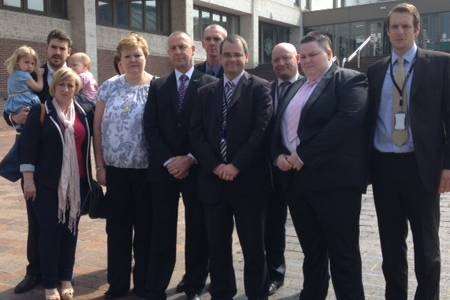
column 80, row 139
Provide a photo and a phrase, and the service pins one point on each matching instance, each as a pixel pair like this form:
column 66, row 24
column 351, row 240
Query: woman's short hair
column 64, row 74
column 131, row 41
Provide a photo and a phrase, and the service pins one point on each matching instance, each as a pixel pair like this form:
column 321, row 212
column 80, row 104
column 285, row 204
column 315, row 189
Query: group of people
column 239, row 151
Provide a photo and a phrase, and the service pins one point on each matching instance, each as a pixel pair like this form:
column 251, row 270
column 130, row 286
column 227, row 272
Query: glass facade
column 205, row 16
column 140, row 15
column 329, row 4
column 347, row 37
column 269, row 36
column 51, row 8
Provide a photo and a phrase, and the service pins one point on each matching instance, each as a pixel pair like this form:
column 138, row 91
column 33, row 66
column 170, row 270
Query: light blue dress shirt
column 384, row 127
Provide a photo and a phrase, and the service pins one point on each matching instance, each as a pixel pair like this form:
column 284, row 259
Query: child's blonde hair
column 12, row 62
column 84, row 58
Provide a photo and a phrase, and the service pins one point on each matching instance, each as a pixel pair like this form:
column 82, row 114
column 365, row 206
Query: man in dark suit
column 213, row 35
column 173, row 171
column 319, row 146
column 409, row 118
column 285, row 62
column 58, row 50
column 228, row 127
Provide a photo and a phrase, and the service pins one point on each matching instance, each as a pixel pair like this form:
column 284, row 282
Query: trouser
column 130, row 199
column 57, row 244
column 400, row 196
column 327, row 224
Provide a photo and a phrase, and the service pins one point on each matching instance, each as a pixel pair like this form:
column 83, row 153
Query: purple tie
column 182, row 91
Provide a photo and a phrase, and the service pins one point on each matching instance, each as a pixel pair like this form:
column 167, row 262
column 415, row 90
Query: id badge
column 400, row 121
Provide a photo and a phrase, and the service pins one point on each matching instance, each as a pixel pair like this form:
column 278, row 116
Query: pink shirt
column 90, row 86
column 291, row 116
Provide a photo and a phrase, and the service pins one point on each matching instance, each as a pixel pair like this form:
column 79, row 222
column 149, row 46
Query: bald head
column 285, row 61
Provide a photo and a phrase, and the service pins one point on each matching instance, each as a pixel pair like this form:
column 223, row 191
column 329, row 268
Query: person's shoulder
column 256, row 80
column 21, row 74
column 434, row 55
column 209, row 87
column 200, row 66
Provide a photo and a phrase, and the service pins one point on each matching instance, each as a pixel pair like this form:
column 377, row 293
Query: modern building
column 96, row 26
column 351, row 22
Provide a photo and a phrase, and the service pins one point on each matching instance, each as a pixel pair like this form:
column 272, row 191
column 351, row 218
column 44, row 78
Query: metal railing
column 371, row 39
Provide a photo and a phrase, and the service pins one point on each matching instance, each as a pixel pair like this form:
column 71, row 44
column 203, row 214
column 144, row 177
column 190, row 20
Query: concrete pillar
column 181, row 16
column 84, row 29
column 249, row 28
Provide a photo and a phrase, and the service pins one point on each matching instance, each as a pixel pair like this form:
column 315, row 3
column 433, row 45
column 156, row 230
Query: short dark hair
column 233, row 39
column 405, row 8
column 323, row 40
column 57, row 34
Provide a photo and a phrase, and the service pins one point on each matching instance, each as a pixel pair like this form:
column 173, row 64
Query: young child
column 81, row 63
column 21, row 85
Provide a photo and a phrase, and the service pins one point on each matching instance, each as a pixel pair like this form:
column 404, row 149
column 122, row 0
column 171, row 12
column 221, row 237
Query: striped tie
column 182, row 91
column 229, row 89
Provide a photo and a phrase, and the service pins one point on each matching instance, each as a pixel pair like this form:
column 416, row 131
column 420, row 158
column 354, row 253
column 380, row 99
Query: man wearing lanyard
column 58, row 50
column 409, row 121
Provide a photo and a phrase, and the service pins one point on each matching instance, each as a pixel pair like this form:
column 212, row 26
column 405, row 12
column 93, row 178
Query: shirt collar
column 52, row 71
column 409, row 56
column 292, row 80
column 235, row 80
column 188, row 73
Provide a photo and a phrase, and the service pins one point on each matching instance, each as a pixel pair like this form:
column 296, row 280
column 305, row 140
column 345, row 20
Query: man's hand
column 444, row 186
column 21, row 117
column 295, row 161
column 179, row 166
column 29, row 189
column 218, row 170
column 229, row 172
column 282, row 163
column 101, row 175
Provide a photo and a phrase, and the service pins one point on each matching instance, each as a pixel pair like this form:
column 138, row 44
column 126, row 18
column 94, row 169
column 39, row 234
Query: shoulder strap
column 42, row 116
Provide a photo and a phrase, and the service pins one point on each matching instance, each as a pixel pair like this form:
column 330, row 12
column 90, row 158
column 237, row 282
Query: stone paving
column 90, row 269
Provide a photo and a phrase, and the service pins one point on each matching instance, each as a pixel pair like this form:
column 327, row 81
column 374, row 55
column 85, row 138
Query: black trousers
column 165, row 198
column 327, row 224
column 130, row 211
column 400, row 196
column 275, row 235
column 248, row 213
column 57, row 244
column 34, row 266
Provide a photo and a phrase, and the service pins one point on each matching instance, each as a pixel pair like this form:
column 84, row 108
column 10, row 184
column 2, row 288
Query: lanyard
column 402, row 90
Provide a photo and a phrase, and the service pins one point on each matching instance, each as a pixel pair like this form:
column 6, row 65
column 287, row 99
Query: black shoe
column 113, row 294
column 274, row 286
column 27, row 284
column 192, row 296
column 140, row 292
column 181, row 286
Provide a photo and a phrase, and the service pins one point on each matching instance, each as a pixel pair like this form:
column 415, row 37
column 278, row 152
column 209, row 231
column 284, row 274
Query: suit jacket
column 332, row 132
column 248, row 118
column 43, row 95
column 166, row 130
column 41, row 145
column 202, row 68
column 429, row 111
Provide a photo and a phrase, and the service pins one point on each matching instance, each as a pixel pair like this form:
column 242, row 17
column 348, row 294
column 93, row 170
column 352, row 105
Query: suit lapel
column 172, row 83
column 419, row 72
column 318, row 90
column 240, row 88
column 192, row 87
column 378, row 82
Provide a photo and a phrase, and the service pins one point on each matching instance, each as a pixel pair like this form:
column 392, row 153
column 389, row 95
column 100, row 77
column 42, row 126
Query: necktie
column 228, row 94
column 182, row 91
column 399, row 136
column 281, row 92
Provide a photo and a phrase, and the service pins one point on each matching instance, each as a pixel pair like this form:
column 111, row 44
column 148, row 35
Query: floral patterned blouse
column 123, row 139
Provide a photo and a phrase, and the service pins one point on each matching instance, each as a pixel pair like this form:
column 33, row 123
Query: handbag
column 10, row 166
column 96, row 202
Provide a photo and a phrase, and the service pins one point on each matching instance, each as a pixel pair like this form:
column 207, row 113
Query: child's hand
column 40, row 71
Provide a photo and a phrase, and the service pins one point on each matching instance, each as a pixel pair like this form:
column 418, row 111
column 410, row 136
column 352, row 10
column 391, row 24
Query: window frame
column 24, row 8
column 200, row 9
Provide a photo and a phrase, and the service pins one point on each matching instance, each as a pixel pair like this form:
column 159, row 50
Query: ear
column 246, row 57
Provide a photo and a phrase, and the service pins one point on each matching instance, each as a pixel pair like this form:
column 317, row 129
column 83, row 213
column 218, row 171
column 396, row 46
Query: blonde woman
column 55, row 162
column 122, row 162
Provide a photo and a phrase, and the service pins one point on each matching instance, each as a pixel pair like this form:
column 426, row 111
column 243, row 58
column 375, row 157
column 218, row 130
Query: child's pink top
column 90, row 86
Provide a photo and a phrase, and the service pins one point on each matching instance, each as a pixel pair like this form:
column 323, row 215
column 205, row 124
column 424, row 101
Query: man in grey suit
column 409, row 94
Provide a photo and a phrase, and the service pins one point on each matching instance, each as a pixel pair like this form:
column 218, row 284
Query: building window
column 204, row 17
column 140, row 15
column 436, row 32
column 51, row 8
column 269, row 36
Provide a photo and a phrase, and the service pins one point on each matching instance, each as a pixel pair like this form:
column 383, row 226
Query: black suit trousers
column 248, row 213
column 400, row 196
column 275, row 234
column 165, row 198
column 327, row 224
column 130, row 211
column 33, row 267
